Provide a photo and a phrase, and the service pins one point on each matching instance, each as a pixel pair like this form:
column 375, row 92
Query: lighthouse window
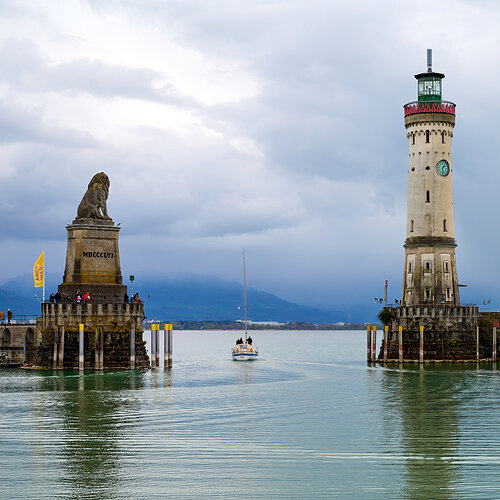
column 442, row 137
column 446, row 266
column 427, row 293
column 413, row 136
column 428, row 197
column 427, row 266
column 444, row 225
column 427, row 136
column 411, row 226
column 448, row 293
column 409, row 267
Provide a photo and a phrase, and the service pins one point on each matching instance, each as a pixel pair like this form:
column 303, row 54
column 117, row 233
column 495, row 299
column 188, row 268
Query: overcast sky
column 274, row 125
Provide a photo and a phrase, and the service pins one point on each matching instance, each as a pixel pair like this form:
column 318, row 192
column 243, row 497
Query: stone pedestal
column 93, row 261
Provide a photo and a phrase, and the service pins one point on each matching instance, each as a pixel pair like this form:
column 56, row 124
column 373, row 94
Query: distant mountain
column 194, row 298
column 18, row 304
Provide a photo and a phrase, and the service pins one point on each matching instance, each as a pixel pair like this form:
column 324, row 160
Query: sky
column 271, row 125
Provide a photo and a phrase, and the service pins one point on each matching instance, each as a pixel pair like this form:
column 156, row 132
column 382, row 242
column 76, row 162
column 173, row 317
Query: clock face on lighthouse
column 443, row 168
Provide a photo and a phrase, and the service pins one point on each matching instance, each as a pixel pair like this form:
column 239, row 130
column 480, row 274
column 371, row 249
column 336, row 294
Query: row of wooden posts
column 99, row 347
column 167, row 346
column 371, row 344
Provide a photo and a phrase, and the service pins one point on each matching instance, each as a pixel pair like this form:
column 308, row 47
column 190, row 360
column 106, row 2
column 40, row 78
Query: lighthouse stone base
column 450, row 333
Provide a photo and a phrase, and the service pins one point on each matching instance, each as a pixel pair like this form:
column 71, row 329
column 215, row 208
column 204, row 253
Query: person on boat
column 52, row 298
column 249, row 340
column 9, row 315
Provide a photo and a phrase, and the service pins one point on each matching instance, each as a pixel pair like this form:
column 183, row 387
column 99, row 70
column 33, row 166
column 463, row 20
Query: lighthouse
column 430, row 274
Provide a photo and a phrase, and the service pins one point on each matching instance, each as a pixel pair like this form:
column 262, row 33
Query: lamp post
column 131, row 278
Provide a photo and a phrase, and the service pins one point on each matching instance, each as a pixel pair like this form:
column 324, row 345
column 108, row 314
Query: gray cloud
column 309, row 172
column 22, row 64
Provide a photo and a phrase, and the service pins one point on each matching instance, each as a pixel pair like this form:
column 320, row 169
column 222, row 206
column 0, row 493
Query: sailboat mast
column 245, row 293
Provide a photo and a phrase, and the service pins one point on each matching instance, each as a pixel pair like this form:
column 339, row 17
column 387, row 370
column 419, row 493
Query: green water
column 308, row 420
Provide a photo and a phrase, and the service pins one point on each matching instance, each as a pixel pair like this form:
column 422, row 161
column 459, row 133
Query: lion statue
column 93, row 204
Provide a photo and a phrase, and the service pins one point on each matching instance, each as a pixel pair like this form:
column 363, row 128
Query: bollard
column 494, row 344
column 61, row 350
column 386, row 334
column 132, row 346
column 368, row 343
column 374, row 344
column 81, row 354
column 421, row 350
column 477, row 343
column 400, row 342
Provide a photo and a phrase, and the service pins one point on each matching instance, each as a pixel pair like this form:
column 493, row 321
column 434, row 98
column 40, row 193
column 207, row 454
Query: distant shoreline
column 260, row 326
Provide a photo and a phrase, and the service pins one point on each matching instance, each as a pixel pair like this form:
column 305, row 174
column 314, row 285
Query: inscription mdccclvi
column 102, row 255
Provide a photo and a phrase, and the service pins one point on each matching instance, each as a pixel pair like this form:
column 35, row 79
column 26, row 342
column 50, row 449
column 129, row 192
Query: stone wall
column 450, row 334
column 116, row 350
column 116, row 321
column 12, row 341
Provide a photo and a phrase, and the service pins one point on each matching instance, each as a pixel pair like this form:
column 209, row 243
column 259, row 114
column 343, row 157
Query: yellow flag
column 39, row 270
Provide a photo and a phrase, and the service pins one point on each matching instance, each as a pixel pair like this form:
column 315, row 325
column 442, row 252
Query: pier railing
column 436, row 311
column 415, row 107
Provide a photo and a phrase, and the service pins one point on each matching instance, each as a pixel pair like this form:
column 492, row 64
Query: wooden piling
column 97, row 358
column 165, row 345
column 101, row 348
column 421, row 349
column 157, row 343
column 374, row 344
column 153, row 346
column 56, row 348
column 386, row 334
column 477, row 343
column 400, row 342
column 60, row 363
column 81, row 345
column 132, row 346
column 368, row 343
column 494, row 357
column 170, row 346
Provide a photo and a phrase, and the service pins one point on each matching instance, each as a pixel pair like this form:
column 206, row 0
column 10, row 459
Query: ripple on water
column 318, row 424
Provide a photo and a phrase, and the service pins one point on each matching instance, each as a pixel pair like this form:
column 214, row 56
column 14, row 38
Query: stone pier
column 118, row 323
column 450, row 333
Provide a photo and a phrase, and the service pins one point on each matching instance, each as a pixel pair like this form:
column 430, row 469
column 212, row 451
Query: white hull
column 243, row 357
column 244, row 352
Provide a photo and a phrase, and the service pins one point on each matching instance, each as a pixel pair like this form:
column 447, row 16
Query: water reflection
column 426, row 401
column 95, row 413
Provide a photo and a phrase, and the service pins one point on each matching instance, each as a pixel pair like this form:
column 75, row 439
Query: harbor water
column 309, row 419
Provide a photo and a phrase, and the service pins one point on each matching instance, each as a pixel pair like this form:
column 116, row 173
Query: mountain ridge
column 195, row 298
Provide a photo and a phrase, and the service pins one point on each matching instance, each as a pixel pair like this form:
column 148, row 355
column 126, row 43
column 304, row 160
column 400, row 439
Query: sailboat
column 245, row 351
